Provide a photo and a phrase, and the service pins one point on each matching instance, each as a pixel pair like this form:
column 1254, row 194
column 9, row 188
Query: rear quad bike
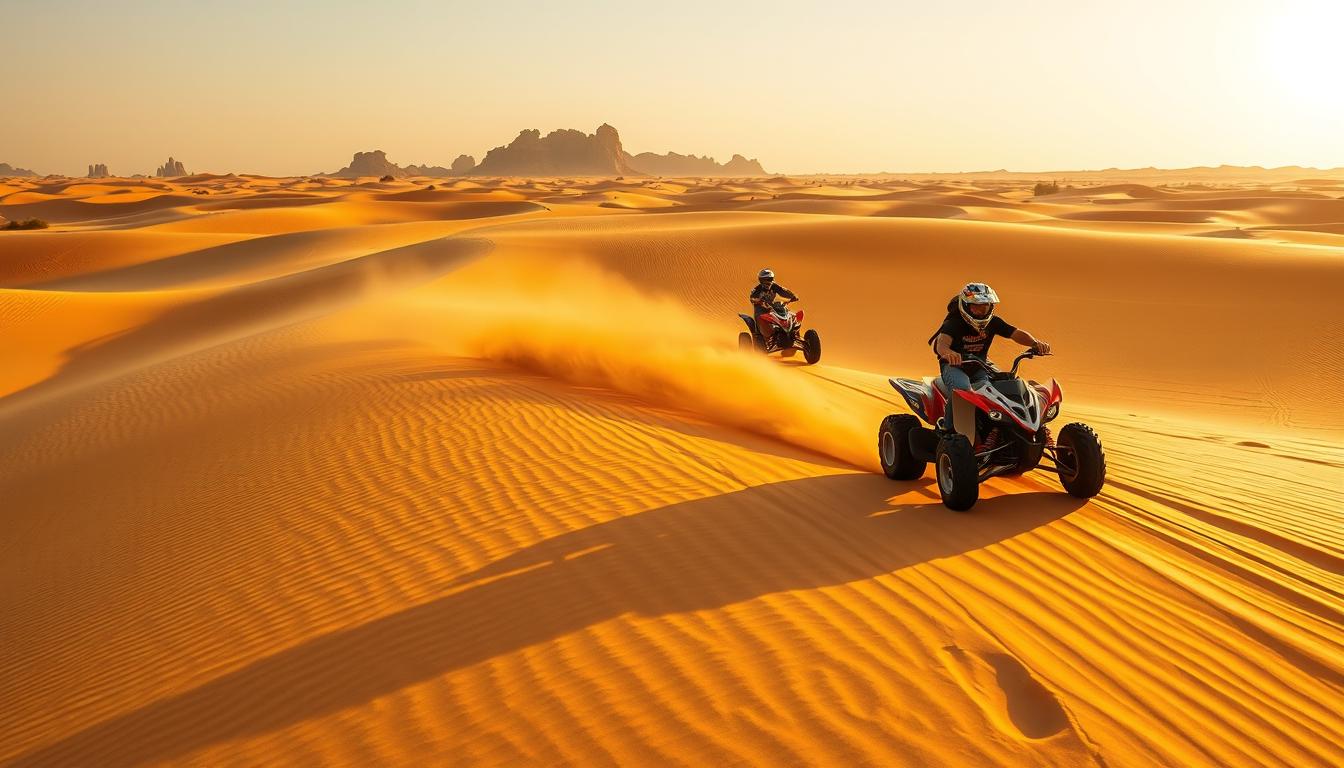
column 780, row 330
column 1000, row 430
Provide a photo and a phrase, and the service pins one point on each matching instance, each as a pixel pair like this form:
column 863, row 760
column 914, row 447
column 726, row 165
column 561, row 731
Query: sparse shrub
column 1045, row 188
column 387, row 178
column 27, row 224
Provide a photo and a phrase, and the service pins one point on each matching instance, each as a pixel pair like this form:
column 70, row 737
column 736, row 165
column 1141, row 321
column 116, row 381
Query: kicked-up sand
column 313, row 470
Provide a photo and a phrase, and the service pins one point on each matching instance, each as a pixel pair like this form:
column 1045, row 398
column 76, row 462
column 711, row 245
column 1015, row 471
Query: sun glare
column 1304, row 58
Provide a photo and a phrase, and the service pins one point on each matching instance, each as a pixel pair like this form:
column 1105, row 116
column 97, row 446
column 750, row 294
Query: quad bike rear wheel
column 811, row 347
column 958, row 478
column 1080, row 460
column 893, row 447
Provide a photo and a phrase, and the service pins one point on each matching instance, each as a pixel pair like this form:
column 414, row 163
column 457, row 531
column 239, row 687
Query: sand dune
column 297, row 471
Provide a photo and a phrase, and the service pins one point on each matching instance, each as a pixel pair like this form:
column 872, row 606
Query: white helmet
column 766, row 275
column 983, row 298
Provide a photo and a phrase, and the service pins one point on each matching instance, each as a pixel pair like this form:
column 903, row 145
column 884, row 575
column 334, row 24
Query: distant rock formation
column 427, row 170
column 8, row 170
column 171, row 168
column 98, row 171
column 560, row 153
column 741, row 166
column 373, row 163
column 564, row 152
column 574, row 153
column 362, row 165
column 673, row 164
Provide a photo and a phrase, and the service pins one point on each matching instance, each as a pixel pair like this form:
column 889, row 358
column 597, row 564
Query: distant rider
column 764, row 294
column 968, row 330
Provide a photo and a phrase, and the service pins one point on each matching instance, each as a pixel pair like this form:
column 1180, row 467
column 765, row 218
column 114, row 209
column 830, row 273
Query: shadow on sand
column 694, row 555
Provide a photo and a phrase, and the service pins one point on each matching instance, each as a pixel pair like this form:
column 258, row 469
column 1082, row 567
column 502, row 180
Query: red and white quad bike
column 1000, row 430
column 782, row 332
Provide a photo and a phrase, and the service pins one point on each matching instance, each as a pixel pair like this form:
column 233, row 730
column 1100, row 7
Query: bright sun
column 1304, row 56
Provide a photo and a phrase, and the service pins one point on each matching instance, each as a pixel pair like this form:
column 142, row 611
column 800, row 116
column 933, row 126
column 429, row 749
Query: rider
column 764, row 293
column 968, row 330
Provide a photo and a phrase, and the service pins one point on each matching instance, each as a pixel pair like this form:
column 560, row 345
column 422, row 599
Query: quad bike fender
column 750, row 321
column 973, row 401
column 913, row 395
column 924, row 399
column 963, row 413
column 1056, row 393
column 936, row 404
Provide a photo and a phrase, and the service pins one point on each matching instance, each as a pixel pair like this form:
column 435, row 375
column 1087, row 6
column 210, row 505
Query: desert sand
column 332, row 470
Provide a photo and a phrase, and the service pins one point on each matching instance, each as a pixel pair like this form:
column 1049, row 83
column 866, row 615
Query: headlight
column 1052, row 411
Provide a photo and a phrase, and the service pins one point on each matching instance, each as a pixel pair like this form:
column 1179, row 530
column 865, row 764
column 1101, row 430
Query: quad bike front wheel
column 958, row 478
column 744, row 342
column 811, row 347
column 1080, row 460
column 893, row 447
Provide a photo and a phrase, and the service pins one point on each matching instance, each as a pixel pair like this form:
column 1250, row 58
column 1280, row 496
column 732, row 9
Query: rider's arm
column 785, row 292
column 942, row 347
column 1027, row 340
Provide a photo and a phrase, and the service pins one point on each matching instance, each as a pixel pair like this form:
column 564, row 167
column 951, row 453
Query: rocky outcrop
column 8, row 170
column 171, row 168
column 564, row 152
column 560, row 153
column 741, row 166
column 98, row 171
column 373, row 163
column 673, row 164
column 435, row 171
column 464, row 165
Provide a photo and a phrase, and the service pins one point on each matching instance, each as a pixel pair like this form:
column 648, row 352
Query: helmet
column 766, row 275
column 976, row 302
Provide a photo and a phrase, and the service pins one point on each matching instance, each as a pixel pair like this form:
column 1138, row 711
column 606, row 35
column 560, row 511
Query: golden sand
column 317, row 470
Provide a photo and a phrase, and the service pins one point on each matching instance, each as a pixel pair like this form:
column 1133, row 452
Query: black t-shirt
column 967, row 340
column 765, row 294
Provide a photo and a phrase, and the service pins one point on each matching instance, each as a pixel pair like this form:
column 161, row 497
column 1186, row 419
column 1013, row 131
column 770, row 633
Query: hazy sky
column 289, row 87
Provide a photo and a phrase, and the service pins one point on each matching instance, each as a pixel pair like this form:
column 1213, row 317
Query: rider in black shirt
column 764, row 293
column 968, row 331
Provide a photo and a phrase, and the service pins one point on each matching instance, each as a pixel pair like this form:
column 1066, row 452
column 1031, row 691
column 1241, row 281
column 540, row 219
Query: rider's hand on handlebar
column 1041, row 347
column 952, row 357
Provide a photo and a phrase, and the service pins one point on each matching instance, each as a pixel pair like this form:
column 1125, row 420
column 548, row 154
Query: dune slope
column 502, row 490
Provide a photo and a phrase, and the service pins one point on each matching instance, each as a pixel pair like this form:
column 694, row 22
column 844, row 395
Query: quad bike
column 781, row 334
column 1000, row 430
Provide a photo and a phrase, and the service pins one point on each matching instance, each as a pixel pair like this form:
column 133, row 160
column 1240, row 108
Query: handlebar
column 1030, row 353
column 987, row 365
